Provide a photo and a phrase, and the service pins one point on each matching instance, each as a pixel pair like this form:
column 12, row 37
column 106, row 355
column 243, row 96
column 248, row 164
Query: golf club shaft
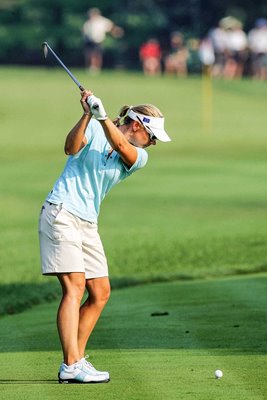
column 64, row 66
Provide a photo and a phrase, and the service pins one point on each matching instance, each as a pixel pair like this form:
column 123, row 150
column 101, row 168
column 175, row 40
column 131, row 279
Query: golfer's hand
column 84, row 96
column 97, row 108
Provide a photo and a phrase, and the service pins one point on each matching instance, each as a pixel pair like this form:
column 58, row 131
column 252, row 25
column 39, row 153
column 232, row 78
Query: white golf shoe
column 81, row 373
column 91, row 368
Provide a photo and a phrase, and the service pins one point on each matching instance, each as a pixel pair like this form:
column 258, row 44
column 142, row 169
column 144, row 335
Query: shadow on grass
column 226, row 315
column 27, row 382
column 16, row 298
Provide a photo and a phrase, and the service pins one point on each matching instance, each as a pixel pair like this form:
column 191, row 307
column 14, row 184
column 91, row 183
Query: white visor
column 155, row 125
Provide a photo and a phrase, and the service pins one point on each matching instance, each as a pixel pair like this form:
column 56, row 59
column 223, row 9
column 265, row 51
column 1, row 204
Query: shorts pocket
column 65, row 226
column 55, row 209
column 48, row 215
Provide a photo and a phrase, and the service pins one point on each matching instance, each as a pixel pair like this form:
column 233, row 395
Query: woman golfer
column 101, row 154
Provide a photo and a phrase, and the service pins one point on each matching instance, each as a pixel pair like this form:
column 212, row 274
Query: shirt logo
column 147, row 120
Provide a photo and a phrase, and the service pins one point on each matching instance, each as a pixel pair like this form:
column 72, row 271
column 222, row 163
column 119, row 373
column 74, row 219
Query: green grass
column 212, row 324
column 197, row 212
column 198, row 209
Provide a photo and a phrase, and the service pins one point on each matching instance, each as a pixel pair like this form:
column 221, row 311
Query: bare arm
column 119, row 143
column 114, row 135
column 76, row 138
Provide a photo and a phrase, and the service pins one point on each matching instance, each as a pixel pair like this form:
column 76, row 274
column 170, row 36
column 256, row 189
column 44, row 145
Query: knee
column 106, row 295
column 77, row 291
column 100, row 295
column 74, row 290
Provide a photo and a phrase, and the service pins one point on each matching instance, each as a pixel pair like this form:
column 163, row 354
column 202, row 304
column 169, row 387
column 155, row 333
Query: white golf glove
column 97, row 108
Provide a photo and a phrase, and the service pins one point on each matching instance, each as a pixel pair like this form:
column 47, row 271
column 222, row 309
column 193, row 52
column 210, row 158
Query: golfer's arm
column 119, row 143
column 76, row 138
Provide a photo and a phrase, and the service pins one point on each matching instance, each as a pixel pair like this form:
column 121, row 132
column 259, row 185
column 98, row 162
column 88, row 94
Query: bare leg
column 99, row 291
column 96, row 60
column 73, row 286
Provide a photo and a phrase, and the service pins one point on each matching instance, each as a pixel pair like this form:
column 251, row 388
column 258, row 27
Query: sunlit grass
column 199, row 207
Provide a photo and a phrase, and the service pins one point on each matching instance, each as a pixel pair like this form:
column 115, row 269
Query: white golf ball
column 218, row 374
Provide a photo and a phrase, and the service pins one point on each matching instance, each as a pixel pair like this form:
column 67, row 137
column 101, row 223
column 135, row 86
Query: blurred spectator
column 176, row 61
column 237, row 46
column 218, row 38
column 257, row 39
column 194, row 64
column 206, row 55
column 94, row 33
column 150, row 56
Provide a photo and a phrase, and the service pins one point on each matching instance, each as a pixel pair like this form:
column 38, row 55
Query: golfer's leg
column 73, row 286
column 99, row 292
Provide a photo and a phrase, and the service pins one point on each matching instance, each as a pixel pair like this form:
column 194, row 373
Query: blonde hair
column 145, row 109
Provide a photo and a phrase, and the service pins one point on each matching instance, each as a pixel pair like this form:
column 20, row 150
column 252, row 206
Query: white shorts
column 70, row 244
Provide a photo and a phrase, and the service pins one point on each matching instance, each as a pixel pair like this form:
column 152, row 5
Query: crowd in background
column 227, row 51
column 94, row 32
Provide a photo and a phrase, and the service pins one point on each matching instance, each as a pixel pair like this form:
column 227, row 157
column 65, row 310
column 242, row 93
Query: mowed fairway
column 197, row 212
column 210, row 325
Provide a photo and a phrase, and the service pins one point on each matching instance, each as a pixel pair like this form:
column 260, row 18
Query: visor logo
column 147, row 120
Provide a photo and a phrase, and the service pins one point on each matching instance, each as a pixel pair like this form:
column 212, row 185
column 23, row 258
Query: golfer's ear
column 136, row 125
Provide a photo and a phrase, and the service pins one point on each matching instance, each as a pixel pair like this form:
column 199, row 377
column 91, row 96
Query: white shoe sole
column 73, row 381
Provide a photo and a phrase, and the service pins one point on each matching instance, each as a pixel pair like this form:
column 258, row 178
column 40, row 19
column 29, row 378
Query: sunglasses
column 151, row 134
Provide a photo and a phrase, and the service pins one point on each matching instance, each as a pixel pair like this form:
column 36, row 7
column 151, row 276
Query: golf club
column 46, row 47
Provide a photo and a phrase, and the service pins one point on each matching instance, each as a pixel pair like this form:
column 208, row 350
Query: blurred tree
column 25, row 24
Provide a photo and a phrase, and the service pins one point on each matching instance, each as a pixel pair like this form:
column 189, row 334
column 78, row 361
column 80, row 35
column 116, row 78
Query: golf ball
column 218, row 374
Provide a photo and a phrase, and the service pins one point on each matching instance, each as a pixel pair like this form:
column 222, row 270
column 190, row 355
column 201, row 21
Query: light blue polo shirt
column 90, row 174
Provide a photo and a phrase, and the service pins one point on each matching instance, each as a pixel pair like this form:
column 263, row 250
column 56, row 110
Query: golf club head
column 45, row 49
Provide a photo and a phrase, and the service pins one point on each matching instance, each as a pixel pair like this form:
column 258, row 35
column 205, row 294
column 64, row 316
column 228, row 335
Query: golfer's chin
column 142, row 146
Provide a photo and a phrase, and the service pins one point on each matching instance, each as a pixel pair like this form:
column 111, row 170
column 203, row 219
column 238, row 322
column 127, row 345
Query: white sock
column 71, row 366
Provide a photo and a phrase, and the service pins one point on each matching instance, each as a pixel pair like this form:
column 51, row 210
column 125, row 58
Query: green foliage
column 25, row 24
